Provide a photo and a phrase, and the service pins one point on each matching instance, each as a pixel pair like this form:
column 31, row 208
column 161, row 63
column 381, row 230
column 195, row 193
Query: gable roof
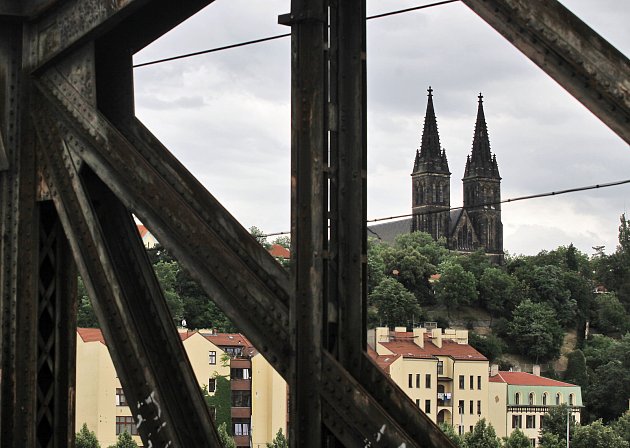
column 279, row 251
column 390, row 230
column 526, row 379
column 228, row 339
column 142, row 230
column 403, row 344
column 91, row 335
column 383, row 361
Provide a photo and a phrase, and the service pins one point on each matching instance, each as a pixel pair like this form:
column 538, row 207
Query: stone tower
column 482, row 191
column 430, row 181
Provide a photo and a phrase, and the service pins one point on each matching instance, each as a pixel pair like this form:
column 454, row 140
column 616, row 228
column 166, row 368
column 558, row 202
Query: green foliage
column 284, row 241
column 221, row 400
column 596, row 435
column 475, row 263
column 86, row 438
column 499, row 292
column 434, row 251
column 224, row 436
column 621, row 426
column 259, row 235
column 451, row 434
column 611, row 314
column 280, row 441
column 517, row 439
column 555, row 422
column 548, row 440
column 395, row 305
column 490, row 346
column 375, row 264
column 535, row 332
column 609, row 390
column 85, row 313
column 576, row 369
column 166, row 273
column 456, row 286
column 124, row 441
column 482, row 436
column 411, row 269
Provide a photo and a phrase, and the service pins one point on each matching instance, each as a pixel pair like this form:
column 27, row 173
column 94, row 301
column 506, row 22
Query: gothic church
column 477, row 225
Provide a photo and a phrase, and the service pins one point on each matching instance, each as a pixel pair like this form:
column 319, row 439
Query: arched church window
column 441, row 194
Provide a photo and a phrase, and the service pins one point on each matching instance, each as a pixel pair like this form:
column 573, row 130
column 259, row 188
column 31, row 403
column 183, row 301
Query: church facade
column 476, row 225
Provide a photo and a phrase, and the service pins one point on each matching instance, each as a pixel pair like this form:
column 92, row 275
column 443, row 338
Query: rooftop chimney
column 436, row 337
column 418, row 336
column 536, row 369
column 494, row 369
column 382, row 335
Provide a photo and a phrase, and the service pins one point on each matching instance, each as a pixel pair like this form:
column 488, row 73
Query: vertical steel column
column 308, row 215
column 348, row 181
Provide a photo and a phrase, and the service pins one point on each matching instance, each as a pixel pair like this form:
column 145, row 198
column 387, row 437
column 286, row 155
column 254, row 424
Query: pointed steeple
column 481, row 161
column 431, row 156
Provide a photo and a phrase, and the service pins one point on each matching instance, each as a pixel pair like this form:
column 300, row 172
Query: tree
column 456, row 287
column 124, row 441
column 166, row 273
column 517, row 439
column 488, row 345
column 555, row 422
column 412, row 269
column 607, row 394
column 611, row 314
column 548, row 440
column 571, row 258
column 576, row 369
column 435, row 251
column 451, row 434
column 535, row 331
column 396, row 305
column 499, row 292
column 280, row 441
column 482, row 436
column 621, row 426
column 596, row 435
column 259, row 235
column 86, row 438
column 85, row 313
column 224, row 437
column 375, row 264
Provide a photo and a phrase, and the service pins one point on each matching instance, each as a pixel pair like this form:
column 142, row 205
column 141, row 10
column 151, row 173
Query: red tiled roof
column 279, row 251
column 142, row 230
column 227, row 339
column 91, row 335
column 526, row 379
column 403, row 344
column 383, row 361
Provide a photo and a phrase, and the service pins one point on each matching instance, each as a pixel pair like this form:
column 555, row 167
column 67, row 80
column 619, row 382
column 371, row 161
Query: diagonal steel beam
column 4, row 160
column 71, row 23
column 128, row 301
column 568, row 50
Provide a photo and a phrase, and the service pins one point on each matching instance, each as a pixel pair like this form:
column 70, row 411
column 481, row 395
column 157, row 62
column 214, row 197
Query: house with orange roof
column 257, row 396
column 520, row 399
column 148, row 239
column 444, row 376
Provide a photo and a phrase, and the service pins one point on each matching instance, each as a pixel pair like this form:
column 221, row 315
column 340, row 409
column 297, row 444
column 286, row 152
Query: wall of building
column 269, row 402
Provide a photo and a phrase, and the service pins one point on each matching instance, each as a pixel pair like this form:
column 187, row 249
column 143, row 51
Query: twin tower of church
column 477, row 225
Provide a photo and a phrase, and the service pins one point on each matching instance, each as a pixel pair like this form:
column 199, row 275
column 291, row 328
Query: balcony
column 241, row 441
column 444, row 399
column 238, row 384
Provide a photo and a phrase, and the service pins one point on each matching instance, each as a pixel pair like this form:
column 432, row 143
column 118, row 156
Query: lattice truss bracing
column 75, row 164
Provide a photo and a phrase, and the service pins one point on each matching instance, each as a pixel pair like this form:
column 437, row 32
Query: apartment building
column 257, row 395
column 519, row 400
column 438, row 370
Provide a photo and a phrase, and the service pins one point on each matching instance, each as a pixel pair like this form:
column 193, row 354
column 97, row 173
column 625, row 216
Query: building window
column 120, row 397
column 530, row 421
column 558, row 399
column 470, row 428
column 418, row 381
column 472, row 382
column 427, row 381
column 241, row 399
column 212, row 384
column 460, row 429
column 570, row 399
column 410, row 380
column 440, row 368
column 544, row 399
column 478, row 407
column 241, row 426
column 213, row 413
column 212, row 358
column 532, row 442
column 461, row 382
column 234, row 352
column 479, row 382
column 418, row 402
column 472, row 407
column 461, row 406
column 541, row 421
column 240, row 374
column 517, row 421
column 126, row 424
column 532, row 399
column 517, row 398
column 427, row 406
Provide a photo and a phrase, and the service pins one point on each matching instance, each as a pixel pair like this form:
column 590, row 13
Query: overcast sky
column 226, row 115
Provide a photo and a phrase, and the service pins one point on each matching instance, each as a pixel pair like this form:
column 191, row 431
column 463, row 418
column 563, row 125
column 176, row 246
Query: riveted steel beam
column 126, row 296
column 568, row 50
column 72, row 23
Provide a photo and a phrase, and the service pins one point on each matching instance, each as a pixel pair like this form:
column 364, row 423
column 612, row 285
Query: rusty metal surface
column 568, row 50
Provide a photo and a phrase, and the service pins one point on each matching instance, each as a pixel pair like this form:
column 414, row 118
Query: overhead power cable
column 494, row 203
column 280, row 36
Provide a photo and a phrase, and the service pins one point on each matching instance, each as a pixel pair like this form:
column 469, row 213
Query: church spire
column 481, row 161
column 431, row 156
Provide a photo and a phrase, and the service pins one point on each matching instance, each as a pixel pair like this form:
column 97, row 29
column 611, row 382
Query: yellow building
column 519, row 400
column 438, row 370
column 258, row 393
